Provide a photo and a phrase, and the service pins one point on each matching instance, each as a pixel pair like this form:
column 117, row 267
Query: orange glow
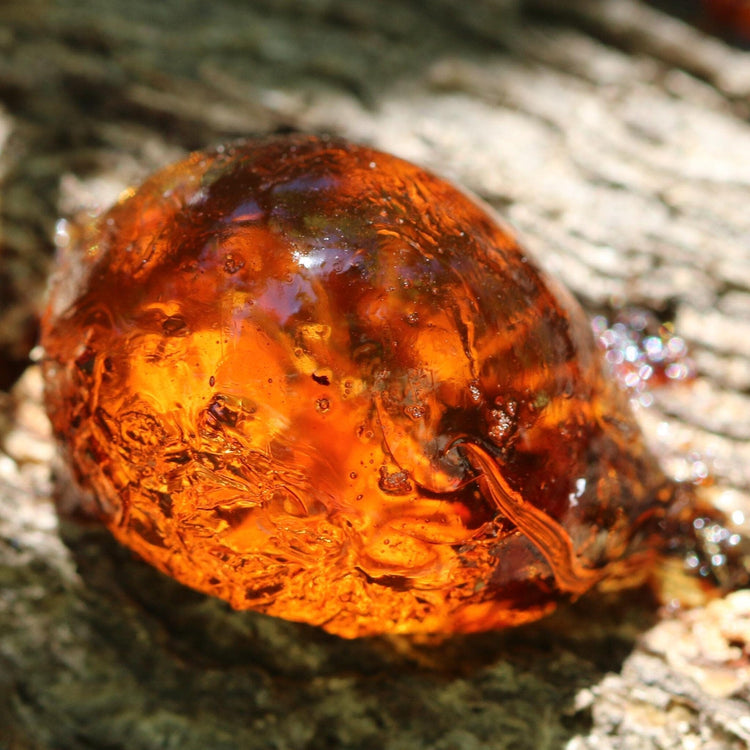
column 317, row 381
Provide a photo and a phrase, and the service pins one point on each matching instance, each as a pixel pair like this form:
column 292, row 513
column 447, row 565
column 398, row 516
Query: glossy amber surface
column 315, row 380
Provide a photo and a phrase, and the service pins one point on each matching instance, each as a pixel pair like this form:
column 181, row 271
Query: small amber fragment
column 729, row 16
column 317, row 381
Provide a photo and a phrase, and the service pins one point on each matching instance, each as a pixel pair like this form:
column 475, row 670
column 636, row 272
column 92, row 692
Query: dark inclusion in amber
column 315, row 380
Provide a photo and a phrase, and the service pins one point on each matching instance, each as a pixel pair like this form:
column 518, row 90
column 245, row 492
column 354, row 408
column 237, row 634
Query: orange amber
column 731, row 16
column 315, row 380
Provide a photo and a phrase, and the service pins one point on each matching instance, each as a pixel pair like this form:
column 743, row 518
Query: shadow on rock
column 516, row 688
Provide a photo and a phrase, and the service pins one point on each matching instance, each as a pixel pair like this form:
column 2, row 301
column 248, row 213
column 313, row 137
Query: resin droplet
column 315, row 380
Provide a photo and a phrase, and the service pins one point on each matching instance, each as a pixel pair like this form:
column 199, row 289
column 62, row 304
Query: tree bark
column 613, row 136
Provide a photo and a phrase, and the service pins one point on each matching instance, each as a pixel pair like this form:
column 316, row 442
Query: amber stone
column 729, row 16
column 318, row 381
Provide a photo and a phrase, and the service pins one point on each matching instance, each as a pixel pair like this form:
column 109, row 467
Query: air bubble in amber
column 317, row 381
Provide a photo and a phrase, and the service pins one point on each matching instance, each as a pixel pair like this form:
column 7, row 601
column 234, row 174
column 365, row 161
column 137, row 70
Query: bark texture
column 613, row 136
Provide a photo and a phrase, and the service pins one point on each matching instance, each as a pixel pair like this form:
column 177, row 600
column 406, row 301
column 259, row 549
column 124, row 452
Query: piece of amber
column 730, row 16
column 315, row 380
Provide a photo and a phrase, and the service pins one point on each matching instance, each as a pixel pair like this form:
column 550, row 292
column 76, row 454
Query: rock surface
column 614, row 137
